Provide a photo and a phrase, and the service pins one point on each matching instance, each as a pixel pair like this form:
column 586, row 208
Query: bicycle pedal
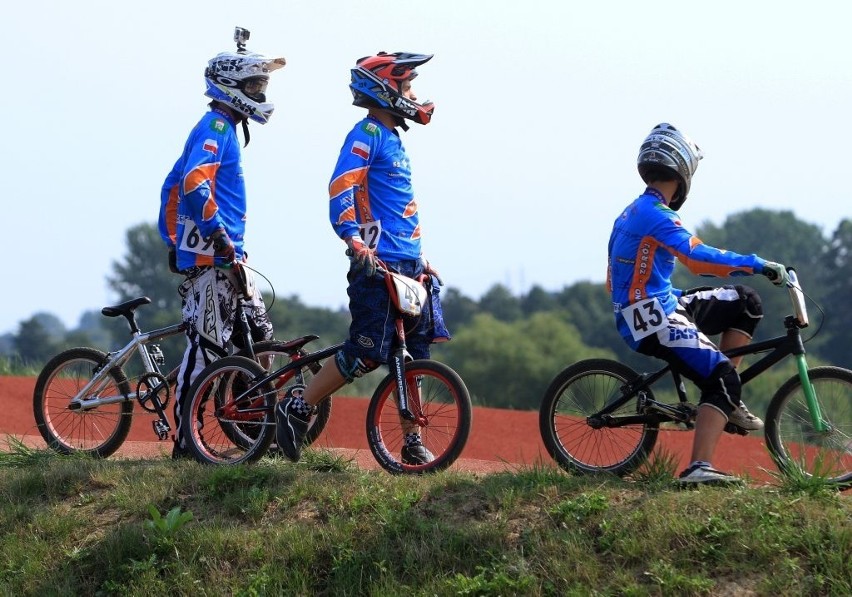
column 735, row 430
column 161, row 429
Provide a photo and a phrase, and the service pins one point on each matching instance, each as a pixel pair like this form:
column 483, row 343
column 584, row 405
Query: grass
column 13, row 365
column 76, row 526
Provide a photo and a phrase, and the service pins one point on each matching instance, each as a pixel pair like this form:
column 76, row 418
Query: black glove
column 223, row 246
column 173, row 261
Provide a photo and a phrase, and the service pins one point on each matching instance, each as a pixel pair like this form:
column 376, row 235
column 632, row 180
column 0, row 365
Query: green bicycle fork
column 810, row 396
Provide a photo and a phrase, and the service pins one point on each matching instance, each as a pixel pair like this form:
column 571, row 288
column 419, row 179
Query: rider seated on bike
column 672, row 324
column 372, row 208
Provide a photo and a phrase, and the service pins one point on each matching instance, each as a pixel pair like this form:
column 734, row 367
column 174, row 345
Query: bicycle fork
column 408, row 398
column 810, row 396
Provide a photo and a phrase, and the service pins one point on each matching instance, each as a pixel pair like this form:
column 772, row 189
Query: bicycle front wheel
column 793, row 439
column 440, row 400
column 578, row 392
column 67, row 428
column 223, row 423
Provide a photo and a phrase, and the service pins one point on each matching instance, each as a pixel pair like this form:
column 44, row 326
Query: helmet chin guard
column 377, row 83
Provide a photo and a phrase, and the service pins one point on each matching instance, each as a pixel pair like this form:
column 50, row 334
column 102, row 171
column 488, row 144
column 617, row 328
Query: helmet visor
column 255, row 87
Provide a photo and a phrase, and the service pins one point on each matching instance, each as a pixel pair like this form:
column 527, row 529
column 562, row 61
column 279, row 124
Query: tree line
column 506, row 347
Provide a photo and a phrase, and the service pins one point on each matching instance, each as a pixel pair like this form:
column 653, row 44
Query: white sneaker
column 701, row 474
column 741, row 417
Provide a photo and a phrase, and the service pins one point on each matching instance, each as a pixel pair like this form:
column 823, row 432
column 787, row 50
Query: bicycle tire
column 796, row 447
column 444, row 402
column 209, row 432
column 98, row 432
column 579, row 391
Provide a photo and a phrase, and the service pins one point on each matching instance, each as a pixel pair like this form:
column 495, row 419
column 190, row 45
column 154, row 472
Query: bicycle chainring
column 153, row 386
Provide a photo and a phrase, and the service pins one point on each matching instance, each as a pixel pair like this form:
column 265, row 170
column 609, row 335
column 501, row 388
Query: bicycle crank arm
column 598, row 422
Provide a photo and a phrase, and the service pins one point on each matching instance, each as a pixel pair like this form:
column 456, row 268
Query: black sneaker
column 701, row 474
column 290, row 426
column 179, row 453
column 416, row 454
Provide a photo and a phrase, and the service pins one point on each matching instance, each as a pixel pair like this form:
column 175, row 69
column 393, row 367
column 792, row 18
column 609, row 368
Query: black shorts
column 715, row 310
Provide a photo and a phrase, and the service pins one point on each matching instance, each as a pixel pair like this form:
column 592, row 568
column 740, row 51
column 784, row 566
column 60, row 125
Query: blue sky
column 540, row 110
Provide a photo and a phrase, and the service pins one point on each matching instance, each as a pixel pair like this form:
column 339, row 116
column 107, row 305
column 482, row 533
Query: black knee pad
column 752, row 309
column 722, row 389
column 351, row 367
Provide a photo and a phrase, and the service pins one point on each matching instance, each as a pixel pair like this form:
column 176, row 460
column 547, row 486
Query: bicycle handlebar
column 797, row 298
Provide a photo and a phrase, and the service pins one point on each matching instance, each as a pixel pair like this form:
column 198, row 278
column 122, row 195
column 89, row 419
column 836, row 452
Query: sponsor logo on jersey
column 362, row 150
column 219, row 125
column 211, row 146
column 371, row 128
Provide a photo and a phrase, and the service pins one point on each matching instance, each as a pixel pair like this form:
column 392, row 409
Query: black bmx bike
column 236, row 394
column 601, row 416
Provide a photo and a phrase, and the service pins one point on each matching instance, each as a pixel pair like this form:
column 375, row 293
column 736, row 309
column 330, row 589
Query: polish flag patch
column 211, row 146
column 362, row 150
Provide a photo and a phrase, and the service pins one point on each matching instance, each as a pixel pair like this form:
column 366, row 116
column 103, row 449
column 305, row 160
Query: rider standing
column 373, row 210
column 203, row 213
column 657, row 319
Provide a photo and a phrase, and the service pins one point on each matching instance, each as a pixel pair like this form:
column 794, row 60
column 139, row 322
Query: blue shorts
column 372, row 332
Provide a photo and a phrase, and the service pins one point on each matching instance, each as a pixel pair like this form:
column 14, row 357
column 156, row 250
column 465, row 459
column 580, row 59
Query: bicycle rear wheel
column 97, row 431
column 439, row 396
column 793, row 440
column 579, row 391
column 222, row 425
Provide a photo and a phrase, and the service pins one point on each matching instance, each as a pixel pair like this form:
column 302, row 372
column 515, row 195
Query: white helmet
column 668, row 148
column 239, row 79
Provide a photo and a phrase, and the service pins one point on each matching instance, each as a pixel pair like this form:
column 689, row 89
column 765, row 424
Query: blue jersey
column 371, row 195
column 204, row 191
column 646, row 238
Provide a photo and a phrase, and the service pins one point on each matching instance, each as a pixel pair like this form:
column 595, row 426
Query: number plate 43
column 645, row 318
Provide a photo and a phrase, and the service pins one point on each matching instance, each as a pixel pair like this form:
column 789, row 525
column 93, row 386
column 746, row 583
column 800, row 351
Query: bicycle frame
column 396, row 365
column 299, row 360
column 118, row 359
column 781, row 347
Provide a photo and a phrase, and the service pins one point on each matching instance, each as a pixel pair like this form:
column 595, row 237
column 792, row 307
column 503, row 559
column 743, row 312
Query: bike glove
column 430, row 270
column 362, row 256
column 776, row 272
column 173, row 261
column 223, row 246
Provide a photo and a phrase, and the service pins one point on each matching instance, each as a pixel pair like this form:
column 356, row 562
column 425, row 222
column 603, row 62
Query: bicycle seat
column 126, row 308
column 291, row 346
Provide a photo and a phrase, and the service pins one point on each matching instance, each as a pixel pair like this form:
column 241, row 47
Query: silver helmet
column 668, row 148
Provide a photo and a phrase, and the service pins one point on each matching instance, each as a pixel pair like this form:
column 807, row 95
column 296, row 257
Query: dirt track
column 500, row 439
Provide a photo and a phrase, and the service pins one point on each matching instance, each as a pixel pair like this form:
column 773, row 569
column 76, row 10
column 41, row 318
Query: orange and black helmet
column 377, row 83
